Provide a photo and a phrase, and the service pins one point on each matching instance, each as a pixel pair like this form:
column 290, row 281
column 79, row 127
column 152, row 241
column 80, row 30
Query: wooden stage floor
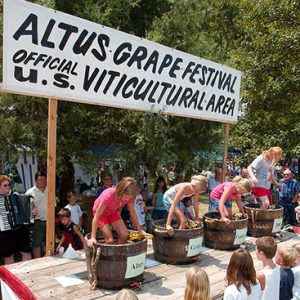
column 160, row 282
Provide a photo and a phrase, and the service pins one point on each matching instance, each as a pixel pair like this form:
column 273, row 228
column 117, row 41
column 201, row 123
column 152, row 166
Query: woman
column 264, row 167
column 106, row 212
column 13, row 237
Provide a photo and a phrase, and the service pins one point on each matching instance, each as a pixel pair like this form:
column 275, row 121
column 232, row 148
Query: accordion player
column 15, row 210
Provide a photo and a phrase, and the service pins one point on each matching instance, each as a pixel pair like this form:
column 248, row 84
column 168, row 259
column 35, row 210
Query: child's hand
column 254, row 180
column 226, row 220
column 91, row 242
column 170, row 230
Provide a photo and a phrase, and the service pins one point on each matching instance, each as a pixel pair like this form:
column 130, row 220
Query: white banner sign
column 52, row 54
column 135, row 265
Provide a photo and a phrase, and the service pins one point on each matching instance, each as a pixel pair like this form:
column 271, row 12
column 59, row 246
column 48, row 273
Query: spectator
column 288, row 196
column 126, row 294
column 214, row 179
column 159, row 210
column 76, row 212
column 241, row 277
column 13, row 237
column 285, row 258
column 269, row 276
column 139, row 206
column 39, row 194
column 72, row 234
column 296, row 271
column 106, row 181
column 197, row 284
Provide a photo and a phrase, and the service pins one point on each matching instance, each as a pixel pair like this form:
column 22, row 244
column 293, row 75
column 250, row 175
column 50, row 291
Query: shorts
column 167, row 201
column 104, row 220
column 39, row 233
column 12, row 241
column 259, row 192
column 214, row 205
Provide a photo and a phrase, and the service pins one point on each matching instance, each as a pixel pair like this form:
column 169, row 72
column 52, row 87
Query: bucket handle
column 209, row 220
column 94, row 263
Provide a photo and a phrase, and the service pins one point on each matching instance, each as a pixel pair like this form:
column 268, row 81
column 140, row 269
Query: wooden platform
column 160, row 282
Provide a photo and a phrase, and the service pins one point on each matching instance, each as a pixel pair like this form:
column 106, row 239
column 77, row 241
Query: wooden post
column 225, row 150
column 51, row 175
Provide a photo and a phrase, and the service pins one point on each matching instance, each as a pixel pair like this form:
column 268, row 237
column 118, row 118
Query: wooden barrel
column 183, row 247
column 87, row 203
column 118, row 265
column 218, row 235
column 263, row 222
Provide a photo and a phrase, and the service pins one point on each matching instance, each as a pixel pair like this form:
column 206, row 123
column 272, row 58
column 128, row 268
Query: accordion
column 15, row 210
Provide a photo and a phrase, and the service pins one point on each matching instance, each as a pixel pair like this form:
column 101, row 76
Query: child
column 197, row 284
column 264, row 166
column 241, row 277
column 188, row 209
column 173, row 196
column 296, row 271
column 269, row 276
column 126, row 294
column 285, row 258
column 139, row 207
column 221, row 197
column 159, row 210
column 72, row 234
column 76, row 212
column 106, row 212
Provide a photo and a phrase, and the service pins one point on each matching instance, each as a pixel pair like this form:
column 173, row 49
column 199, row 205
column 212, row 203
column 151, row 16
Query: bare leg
column 36, row 252
column 9, row 260
column 122, row 231
column 181, row 218
column 108, row 236
column 26, row 256
column 264, row 202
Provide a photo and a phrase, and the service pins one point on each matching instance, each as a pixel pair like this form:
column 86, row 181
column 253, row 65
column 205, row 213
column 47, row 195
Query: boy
column 269, row 276
column 296, row 271
column 72, row 234
column 285, row 258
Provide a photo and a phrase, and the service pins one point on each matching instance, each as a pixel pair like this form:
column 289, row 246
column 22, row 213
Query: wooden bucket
column 218, row 235
column 87, row 203
column 263, row 222
column 116, row 266
column 183, row 247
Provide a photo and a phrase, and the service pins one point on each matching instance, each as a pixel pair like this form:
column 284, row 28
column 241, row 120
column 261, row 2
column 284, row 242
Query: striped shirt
column 289, row 188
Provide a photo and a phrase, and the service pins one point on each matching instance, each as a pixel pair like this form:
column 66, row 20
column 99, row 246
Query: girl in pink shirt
column 106, row 211
column 222, row 195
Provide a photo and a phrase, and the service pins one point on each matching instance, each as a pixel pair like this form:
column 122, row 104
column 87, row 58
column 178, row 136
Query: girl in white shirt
column 241, row 277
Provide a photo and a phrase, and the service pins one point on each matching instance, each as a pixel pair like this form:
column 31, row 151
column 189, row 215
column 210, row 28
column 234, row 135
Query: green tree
column 269, row 55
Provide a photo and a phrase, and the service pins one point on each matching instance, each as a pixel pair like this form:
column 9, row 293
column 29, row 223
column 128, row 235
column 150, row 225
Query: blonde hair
column 243, row 183
column 126, row 294
column 127, row 186
column 197, row 284
column 296, row 248
column 199, row 182
column 286, row 255
column 269, row 154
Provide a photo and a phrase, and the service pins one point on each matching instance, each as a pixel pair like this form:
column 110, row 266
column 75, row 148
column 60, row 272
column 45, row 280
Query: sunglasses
column 286, row 174
column 6, row 185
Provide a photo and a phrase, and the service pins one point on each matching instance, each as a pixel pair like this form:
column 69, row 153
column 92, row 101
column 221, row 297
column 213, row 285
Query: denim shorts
column 214, row 204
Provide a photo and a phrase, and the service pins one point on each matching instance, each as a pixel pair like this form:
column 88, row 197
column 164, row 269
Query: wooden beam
column 51, row 175
column 225, row 150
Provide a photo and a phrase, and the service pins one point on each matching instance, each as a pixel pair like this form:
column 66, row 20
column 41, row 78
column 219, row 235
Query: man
column 39, row 194
column 288, row 196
